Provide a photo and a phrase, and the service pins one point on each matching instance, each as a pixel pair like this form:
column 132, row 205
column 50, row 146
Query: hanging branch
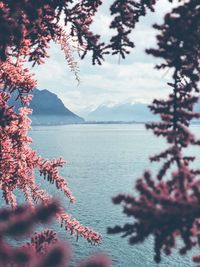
column 126, row 15
column 64, row 41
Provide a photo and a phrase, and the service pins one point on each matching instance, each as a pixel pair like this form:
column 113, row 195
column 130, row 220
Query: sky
column 132, row 80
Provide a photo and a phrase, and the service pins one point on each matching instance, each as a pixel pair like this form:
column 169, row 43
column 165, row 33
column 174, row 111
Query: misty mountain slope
column 48, row 109
column 137, row 112
column 124, row 112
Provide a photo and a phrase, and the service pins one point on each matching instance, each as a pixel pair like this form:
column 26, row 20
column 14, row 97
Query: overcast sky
column 133, row 80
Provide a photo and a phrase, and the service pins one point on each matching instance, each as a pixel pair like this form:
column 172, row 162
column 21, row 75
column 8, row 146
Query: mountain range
column 48, row 109
column 127, row 112
column 137, row 112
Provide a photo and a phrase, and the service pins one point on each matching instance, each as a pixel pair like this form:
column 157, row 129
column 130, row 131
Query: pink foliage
column 168, row 203
column 26, row 29
column 44, row 248
column 19, row 162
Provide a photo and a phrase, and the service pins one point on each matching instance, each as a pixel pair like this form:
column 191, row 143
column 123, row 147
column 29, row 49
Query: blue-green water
column 103, row 160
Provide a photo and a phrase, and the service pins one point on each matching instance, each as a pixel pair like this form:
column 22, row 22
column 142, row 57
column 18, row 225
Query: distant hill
column 137, row 112
column 123, row 112
column 48, row 109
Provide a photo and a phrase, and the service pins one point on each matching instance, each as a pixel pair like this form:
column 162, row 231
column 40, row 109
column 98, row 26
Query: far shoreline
column 100, row 123
column 88, row 123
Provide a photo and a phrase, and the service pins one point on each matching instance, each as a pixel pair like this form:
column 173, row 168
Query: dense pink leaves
column 14, row 76
column 19, row 162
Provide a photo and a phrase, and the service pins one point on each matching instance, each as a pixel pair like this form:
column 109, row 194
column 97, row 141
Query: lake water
column 103, row 160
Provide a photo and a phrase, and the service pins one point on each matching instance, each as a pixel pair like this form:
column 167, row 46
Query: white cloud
column 115, row 84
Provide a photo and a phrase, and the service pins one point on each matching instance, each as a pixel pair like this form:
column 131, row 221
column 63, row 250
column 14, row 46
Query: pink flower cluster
column 14, row 76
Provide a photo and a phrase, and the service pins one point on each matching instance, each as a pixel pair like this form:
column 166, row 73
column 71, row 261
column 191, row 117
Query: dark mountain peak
column 47, row 103
column 48, row 108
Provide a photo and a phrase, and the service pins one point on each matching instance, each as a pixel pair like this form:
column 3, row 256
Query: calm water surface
column 103, row 160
